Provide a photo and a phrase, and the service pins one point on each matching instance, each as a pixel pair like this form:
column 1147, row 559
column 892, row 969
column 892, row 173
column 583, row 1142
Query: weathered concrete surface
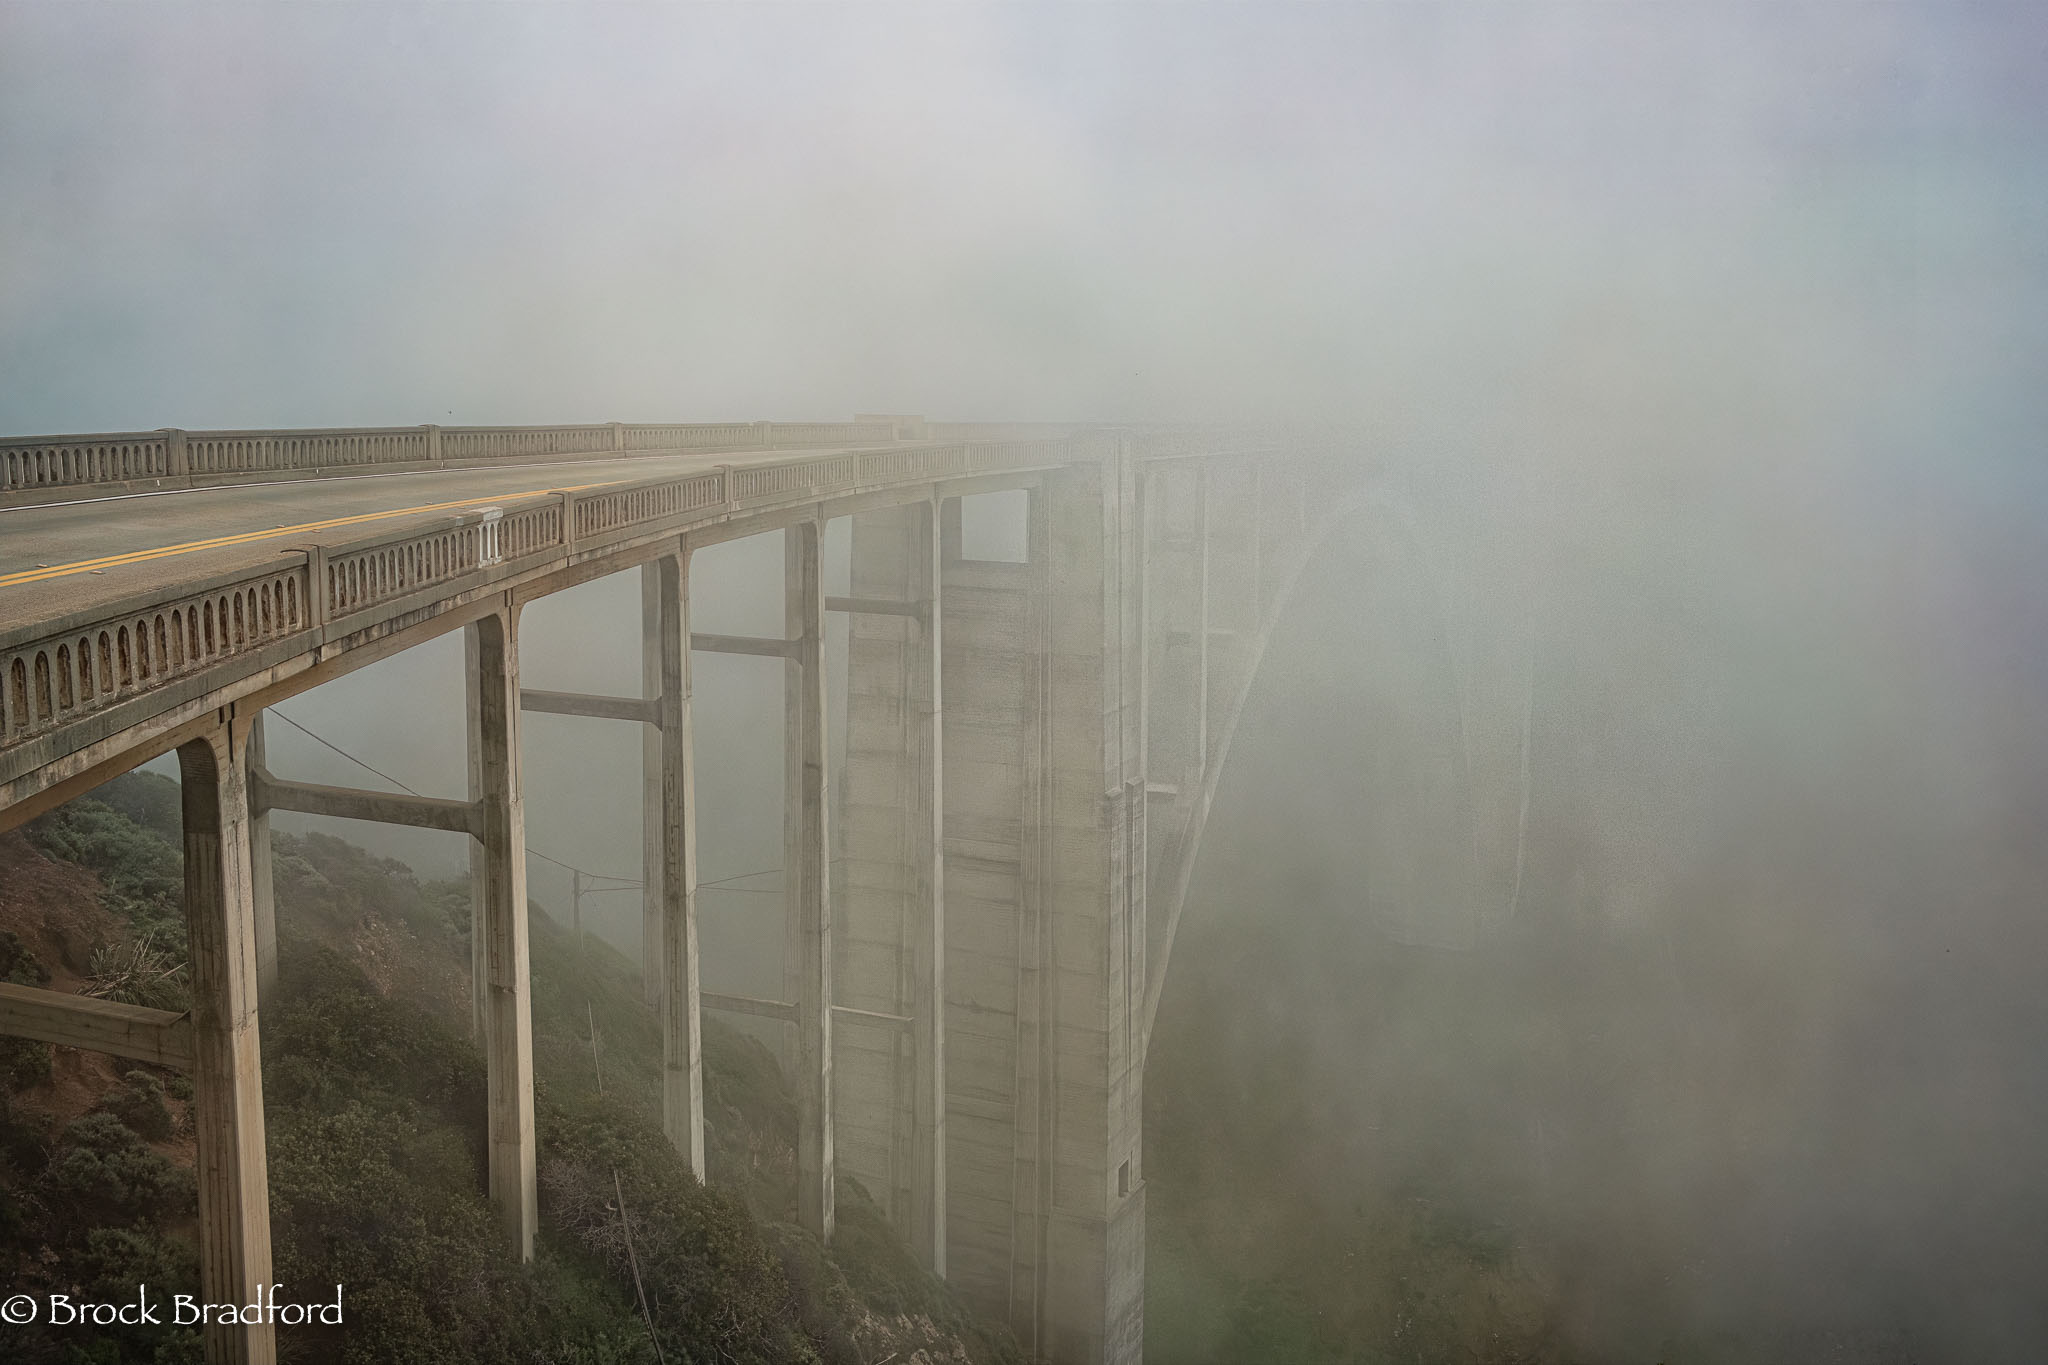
column 890, row 950
column 507, row 1007
column 1043, row 793
column 811, row 868
column 220, row 919
column 682, row 1065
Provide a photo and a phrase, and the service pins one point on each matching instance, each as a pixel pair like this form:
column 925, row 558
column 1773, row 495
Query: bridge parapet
column 32, row 463
column 55, row 674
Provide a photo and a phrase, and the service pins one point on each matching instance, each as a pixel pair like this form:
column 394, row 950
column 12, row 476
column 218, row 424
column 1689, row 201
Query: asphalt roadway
column 65, row 556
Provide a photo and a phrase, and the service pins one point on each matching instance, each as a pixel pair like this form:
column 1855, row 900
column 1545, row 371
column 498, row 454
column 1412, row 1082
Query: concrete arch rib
column 1191, row 820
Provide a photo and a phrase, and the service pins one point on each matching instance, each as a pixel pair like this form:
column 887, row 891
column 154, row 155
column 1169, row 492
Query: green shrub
column 141, row 872
column 18, row 964
column 148, row 800
column 138, row 1102
column 24, row 1062
column 103, row 1174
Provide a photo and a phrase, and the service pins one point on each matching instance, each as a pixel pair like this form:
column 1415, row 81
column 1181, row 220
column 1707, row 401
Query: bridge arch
column 1373, row 513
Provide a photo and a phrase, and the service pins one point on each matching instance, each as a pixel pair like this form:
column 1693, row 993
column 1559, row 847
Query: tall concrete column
column 810, row 874
column 890, row 1087
column 479, row 958
column 928, row 957
column 652, row 906
column 502, row 928
column 682, row 1068
column 262, row 880
column 1044, row 832
column 792, row 791
column 234, row 1193
column 994, row 663
column 1092, row 1307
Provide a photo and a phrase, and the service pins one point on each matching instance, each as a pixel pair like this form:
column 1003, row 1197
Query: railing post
column 507, row 1013
column 316, row 585
column 234, row 1192
column 618, row 435
column 176, row 460
column 433, row 442
column 763, row 435
column 682, row 1105
column 809, row 876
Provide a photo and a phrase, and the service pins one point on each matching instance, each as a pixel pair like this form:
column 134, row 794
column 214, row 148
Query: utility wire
column 343, row 752
column 531, row 851
column 625, row 883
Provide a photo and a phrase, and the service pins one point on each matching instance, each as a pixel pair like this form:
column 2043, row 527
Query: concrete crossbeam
column 355, row 803
column 748, row 644
column 132, row 1031
column 642, row 709
column 748, row 1004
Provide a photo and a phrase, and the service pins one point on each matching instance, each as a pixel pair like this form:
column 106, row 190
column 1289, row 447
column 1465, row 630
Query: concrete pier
column 810, row 876
column 682, row 1090
column 890, row 952
column 501, row 926
column 227, row 1080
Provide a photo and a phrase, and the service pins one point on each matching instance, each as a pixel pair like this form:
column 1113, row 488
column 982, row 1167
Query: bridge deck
column 80, row 552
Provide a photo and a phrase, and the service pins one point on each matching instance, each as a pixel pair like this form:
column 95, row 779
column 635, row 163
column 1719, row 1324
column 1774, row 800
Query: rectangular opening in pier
column 994, row 527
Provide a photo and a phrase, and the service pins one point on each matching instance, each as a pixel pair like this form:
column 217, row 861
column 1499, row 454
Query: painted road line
column 219, row 542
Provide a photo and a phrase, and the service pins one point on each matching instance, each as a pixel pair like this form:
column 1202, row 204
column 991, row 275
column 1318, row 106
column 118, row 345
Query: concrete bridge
column 973, row 960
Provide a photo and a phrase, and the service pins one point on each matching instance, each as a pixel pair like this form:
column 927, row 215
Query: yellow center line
column 139, row 556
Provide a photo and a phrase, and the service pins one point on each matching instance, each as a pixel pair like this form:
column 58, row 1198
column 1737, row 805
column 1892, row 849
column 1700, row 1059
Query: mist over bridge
column 981, row 901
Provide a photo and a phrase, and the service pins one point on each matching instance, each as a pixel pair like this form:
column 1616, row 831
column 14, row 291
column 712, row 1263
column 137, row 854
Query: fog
column 1706, row 342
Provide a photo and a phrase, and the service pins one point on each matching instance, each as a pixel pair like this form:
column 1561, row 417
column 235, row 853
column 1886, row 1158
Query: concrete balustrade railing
column 52, row 673
column 82, row 462
column 68, row 461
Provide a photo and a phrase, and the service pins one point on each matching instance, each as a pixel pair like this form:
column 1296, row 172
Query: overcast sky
column 353, row 214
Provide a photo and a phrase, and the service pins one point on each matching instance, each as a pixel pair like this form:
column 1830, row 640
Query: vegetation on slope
column 374, row 1103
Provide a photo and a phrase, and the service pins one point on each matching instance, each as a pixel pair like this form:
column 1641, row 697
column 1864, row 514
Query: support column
column 652, row 661
column 501, row 851
column 890, row 1088
column 792, row 792
column 1093, row 1269
column 993, row 657
column 234, row 1194
column 1045, row 915
column 928, row 959
column 262, row 881
column 811, row 877
column 479, row 973
column 682, row 1068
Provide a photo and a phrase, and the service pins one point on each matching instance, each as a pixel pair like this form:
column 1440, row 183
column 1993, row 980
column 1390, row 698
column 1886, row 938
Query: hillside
column 374, row 1103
